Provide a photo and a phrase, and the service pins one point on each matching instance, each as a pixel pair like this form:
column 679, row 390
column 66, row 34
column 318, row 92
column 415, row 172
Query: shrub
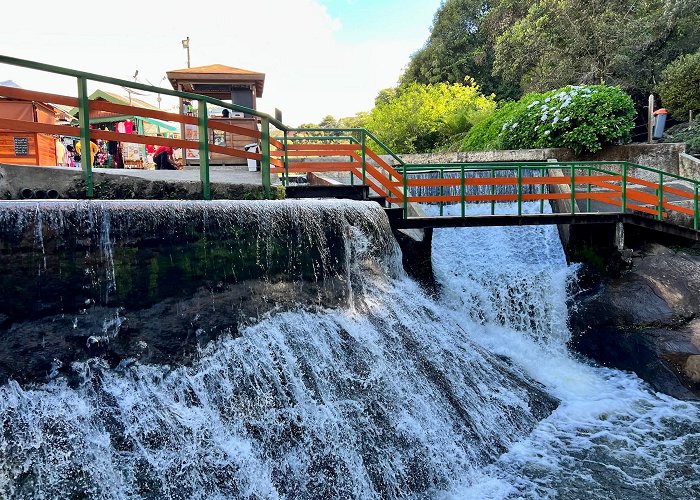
column 582, row 118
column 684, row 133
column 486, row 135
column 680, row 86
column 422, row 118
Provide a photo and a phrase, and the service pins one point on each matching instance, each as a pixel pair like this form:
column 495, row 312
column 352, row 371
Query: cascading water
column 393, row 394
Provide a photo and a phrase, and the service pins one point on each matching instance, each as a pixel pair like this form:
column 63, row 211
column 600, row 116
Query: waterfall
column 386, row 393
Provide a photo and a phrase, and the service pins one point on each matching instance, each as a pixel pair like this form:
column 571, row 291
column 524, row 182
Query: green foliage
column 461, row 45
column 624, row 43
column 680, row 86
column 583, row 119
column 685, row 133
column 486, row 134
column 421, row 118
column 511, row 46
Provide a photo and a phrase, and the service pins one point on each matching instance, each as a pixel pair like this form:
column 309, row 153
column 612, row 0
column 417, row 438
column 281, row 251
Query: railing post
column 573, row 189
column 624, row 187
column 588, row 191
column 265, row 160
column 405, row 190
column 84, row 107
column 661, row 196
column 442, row 192
column 363, row 139
column 203, row 121
column 493, row 192
column 695, row 208
column 286, row 160
column 520, row 190
column 463, row 192
column 542, row 191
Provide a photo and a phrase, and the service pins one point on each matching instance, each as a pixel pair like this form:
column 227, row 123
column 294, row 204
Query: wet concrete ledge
column 231, row 183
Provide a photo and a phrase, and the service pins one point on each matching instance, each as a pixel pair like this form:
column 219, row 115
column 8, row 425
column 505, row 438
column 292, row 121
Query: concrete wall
column 663, row 156
column 689, row 166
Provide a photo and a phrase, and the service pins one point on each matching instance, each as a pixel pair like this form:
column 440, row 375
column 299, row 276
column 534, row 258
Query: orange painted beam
column 238, row 153
column 124, row 109
column 44, row 128
column 374, row 156
column 311, row 153
column 107, row 135
column 31, row 95
column 324, row 147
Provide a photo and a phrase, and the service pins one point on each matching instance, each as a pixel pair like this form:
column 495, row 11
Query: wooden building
column 27, row 148
column 239, row 86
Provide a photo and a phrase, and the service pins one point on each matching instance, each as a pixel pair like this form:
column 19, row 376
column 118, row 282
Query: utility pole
column 186, row 45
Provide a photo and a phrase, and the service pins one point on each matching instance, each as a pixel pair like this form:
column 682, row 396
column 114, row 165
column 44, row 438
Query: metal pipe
column 40, row 194
column 52, row 194
column 26, row 193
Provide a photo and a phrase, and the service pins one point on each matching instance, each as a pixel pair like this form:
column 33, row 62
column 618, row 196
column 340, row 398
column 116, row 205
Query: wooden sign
column 21, row 146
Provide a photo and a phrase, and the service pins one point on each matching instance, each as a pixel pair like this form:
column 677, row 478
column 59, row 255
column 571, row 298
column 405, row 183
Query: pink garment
column 129, row 126
column 68, row 159
column 121, row 128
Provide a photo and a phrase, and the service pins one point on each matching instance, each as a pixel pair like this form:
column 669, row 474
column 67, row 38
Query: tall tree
column 626, row 43
column 461, row 45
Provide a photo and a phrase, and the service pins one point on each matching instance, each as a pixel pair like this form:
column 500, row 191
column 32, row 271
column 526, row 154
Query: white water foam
column 398, row 395
column 611, row 436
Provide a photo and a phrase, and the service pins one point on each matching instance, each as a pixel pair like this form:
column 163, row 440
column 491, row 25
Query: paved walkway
column 217, row 173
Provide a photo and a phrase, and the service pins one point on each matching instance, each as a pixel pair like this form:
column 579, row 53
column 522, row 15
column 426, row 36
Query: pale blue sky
column 408, row 21
column 320, row 57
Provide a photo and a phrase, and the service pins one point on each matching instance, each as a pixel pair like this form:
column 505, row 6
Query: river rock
column 645, row 319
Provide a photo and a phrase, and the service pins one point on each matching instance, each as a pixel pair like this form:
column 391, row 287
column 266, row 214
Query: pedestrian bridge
column 462, row 194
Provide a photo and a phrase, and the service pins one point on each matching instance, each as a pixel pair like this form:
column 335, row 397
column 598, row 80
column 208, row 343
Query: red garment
column 167, row 149
column 129, row 126
column 150, row 149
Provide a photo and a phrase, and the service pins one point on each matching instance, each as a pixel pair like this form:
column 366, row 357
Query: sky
column 320, row 57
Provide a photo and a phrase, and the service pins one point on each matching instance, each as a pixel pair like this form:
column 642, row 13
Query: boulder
column 645, row 319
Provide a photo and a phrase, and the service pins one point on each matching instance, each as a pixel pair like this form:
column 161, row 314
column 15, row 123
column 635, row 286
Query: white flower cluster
column 553, row 107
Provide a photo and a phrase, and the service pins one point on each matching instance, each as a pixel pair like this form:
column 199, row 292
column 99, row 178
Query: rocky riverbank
column 645, row 318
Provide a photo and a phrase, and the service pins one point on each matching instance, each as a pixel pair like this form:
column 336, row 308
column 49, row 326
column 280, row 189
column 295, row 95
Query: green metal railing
column 83, row 77
column 629, row 197
column 398, row 174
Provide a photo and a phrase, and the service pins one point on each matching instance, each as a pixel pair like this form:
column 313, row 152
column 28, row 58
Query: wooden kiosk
column 27, row 148
column 240, row 86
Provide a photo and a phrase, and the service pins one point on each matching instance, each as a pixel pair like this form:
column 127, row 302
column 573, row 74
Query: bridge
column 463, row 194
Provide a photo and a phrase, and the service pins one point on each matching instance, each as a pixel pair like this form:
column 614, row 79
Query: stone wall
column 662, row 156
column 689, row 166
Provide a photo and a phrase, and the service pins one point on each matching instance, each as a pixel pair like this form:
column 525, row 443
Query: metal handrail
column 395, row 178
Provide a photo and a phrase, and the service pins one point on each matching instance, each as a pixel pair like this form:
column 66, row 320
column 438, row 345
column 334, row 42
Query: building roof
column 216, row 69
column 117, row 99
column 214, row 79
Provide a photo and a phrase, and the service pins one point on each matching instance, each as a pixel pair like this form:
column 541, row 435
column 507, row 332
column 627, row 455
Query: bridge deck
column 544, row 219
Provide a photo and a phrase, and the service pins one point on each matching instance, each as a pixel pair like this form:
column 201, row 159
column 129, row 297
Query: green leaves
column 582, row 118
column 680, row 86
column 419, row 118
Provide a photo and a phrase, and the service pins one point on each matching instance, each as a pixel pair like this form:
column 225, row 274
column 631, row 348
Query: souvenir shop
column 124, row 154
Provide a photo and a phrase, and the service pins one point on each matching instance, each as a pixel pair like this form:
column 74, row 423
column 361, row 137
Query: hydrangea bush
column 583, row 118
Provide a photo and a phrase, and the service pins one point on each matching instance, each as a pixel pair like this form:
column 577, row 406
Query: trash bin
column 252, row 148
column 659, row 123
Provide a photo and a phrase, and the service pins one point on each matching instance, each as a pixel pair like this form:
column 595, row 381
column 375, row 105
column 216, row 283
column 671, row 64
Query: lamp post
column 186, row 45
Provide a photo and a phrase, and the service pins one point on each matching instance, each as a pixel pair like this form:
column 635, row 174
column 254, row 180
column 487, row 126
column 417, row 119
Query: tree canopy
column 515, row 46
column 418, row 118
column 680, row 85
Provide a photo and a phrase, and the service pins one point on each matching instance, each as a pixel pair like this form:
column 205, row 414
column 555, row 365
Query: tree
column 420, row 118
column 625, row 43
column 680, row 86
column 461, row 45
